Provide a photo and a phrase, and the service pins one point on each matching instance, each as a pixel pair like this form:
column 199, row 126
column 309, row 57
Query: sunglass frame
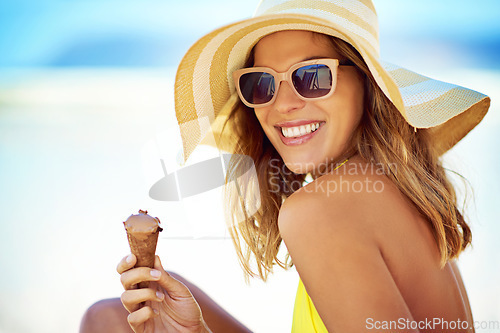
column 332, row 64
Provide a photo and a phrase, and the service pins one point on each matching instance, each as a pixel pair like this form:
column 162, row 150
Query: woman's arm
column 218, row 319
column 463, row 292
column 331, row 241
column 110, row 316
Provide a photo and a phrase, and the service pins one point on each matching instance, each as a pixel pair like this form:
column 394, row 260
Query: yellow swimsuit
column 305, row 317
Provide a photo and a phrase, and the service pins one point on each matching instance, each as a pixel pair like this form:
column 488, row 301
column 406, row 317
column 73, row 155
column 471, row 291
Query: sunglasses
column 310, row 80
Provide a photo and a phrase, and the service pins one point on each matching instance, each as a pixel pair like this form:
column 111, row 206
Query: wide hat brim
column 205, row 92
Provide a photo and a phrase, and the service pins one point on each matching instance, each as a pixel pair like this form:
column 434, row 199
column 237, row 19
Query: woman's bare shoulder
column 359, row 197
column 327, row 209
column 332, row 238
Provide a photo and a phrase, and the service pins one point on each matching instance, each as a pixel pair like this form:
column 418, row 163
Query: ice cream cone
column 143, row 249
column 142, row 233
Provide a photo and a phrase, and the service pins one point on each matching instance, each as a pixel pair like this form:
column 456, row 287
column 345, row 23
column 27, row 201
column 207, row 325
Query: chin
column 297, row 168
column 303, row 164
column 312, row 160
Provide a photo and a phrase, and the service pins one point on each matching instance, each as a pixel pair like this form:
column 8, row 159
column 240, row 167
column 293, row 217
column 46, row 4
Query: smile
column 298, row 135
column 292, row 132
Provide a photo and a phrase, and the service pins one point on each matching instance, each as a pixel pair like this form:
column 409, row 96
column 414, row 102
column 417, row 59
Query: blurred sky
column 157, row 33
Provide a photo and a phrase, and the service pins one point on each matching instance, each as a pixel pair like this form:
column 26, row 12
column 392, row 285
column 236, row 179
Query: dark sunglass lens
column 257, row 88
column 313, row 80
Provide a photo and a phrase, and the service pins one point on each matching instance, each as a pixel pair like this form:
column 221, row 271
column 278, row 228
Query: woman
column 375, row 233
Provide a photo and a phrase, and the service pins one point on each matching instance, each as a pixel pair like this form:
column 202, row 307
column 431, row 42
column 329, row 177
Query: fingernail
column 129, row 259
column 159, row 295
column 155, row 273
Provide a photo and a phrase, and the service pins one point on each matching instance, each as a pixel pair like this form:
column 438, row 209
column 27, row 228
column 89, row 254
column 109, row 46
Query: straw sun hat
column 205, row 92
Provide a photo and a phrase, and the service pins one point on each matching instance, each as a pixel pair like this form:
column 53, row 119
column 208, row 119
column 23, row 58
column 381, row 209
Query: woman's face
column 338, row 116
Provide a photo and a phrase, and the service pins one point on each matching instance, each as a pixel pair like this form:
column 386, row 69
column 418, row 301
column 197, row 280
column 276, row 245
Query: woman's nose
column 287, row 100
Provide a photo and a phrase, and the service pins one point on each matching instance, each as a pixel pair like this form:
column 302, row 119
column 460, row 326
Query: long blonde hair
column 383, row 137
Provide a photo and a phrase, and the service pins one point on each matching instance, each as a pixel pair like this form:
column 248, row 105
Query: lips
column 298, row 132
column 298, row 122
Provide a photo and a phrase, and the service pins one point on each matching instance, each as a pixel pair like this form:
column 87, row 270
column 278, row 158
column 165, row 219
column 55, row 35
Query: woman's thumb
column 174, row 287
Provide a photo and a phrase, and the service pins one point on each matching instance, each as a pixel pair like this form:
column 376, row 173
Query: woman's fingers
column 137, row 318
column 174, row 287
column 140, row 274
column 132, row 298
column 126, row 263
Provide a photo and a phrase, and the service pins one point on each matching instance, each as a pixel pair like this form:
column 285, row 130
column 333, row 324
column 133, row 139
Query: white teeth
column 290, row 132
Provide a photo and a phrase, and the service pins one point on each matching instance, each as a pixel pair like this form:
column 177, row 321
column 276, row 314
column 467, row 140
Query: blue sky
column 157, row 33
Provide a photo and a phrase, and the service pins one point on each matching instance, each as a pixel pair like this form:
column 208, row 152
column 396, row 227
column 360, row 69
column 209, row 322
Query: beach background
column 86, row 113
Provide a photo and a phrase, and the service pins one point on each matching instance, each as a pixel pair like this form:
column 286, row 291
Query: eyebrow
column 344, row 62
column 314, row 58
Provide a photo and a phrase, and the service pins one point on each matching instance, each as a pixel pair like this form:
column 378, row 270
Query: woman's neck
column 336, row 164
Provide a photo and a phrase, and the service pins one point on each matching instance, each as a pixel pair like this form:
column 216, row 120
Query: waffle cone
column 143, row 249
column 142, row 234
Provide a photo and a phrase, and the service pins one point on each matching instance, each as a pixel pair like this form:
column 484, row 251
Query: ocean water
column 79, row 150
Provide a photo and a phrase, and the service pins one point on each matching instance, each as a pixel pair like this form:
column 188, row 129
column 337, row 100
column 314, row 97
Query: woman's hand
column 166, row 305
